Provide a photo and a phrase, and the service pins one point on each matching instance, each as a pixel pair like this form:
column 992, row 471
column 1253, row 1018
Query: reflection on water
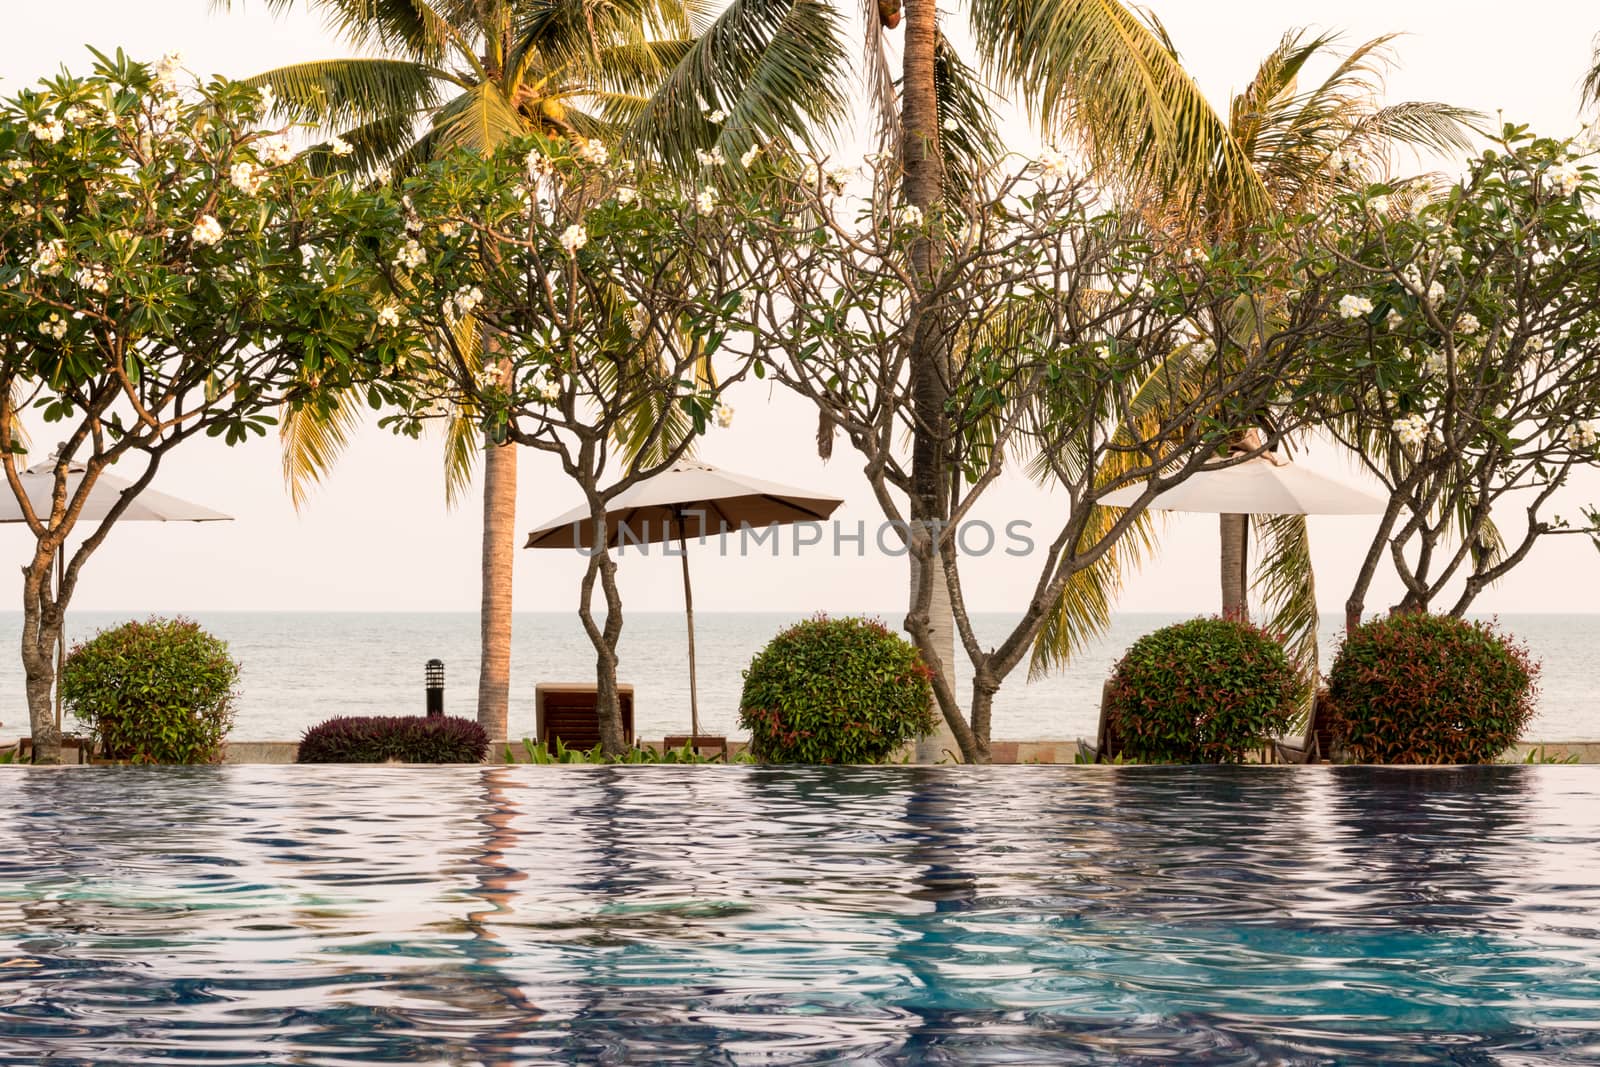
column 522, row 915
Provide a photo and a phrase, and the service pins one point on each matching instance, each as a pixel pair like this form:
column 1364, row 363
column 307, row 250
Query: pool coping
column 1048, row 752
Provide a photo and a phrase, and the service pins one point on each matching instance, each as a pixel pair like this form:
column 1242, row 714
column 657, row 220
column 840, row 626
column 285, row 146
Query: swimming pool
column 522, row 915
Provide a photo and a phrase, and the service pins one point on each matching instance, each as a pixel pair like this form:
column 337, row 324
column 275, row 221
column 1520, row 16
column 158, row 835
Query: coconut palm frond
column 878, row 80
column 332, row 93
column 770, row 65
column 312, row 439
column 479, row 119
column 1286, row 586
column 463, row 445
column 968, row 135
column 1096, row 70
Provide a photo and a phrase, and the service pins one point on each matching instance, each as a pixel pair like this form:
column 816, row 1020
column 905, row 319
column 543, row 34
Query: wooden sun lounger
column 565, row 712
column 1106, row 745
column 1318, row 741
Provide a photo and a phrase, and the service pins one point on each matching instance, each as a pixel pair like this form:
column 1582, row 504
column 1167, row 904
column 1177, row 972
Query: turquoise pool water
column 531, row 915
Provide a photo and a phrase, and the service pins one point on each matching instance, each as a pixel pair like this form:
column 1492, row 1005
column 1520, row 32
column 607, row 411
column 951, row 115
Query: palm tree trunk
column 923, row 163
column 499, row 553
column 1235, row 568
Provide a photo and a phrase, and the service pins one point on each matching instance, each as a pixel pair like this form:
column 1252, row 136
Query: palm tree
column 447, row 74
column 1300, row 148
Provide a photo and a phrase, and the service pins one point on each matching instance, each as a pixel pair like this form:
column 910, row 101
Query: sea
column 301, row 668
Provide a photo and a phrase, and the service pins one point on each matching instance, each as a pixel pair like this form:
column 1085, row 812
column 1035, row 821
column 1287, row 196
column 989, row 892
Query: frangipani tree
column 168, row 270
column 1462, row 363
column 674, row 76
column 615, row 312
column 1053, row 309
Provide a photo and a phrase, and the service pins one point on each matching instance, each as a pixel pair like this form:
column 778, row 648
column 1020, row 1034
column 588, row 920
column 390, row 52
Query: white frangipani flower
column 713, row 158
column 638, row 320
column 706, row 200
column 908, row 215
column 749, row 156
column 724, row 415
column 573, row 238
column 246, row 178
column 1585, row 434
column 94, row 278
column 411, row 255
column 48, row 257
column 449, row 228
column 1379, row 205
column 539, row 164
column 1394, row 320
column 388, row 315
column 950, row 124
column 1053, row 163
column 48, row 129
column 1411, row 430
column 627, row 195
column 275, row 150
column 1352, row 306
column 1564, row 178
column 339, row 146
column 466, row 300
column 167, row 70
column 716, row 116
column 594, row 152
column 207, row 231
column 1467, row 323
column 55, row 326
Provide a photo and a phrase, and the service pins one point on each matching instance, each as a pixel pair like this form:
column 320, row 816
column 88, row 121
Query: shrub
column 1419, row 688
column 159, row 691
column 1202, row 691
column 405, row 738
column 835, row 691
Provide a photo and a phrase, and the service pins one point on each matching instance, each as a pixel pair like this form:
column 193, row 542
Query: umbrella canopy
column 688, row 499
column 1260, row 486
column 706, row 499
column 39, row 483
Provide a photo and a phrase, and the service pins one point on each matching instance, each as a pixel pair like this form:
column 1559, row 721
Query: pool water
column 530, row 915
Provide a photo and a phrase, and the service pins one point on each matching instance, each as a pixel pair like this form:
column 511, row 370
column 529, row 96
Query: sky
column 377, row 535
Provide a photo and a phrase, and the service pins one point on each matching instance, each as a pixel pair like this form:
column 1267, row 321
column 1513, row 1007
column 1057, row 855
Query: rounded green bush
column 398, row 738
column 835, row 691
column 159, row 691
column 1417, row 688
column 1202, row 691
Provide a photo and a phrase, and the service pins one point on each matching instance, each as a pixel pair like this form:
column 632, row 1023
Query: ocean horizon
column 301, row 668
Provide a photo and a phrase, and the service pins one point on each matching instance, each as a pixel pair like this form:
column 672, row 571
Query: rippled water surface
column 521, row 915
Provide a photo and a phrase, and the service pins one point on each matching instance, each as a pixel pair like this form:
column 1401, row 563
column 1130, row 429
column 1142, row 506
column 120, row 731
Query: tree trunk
column 923, row 164
column 1235, row 567
column 499, row 553
column 41, row 634
column 942, row 631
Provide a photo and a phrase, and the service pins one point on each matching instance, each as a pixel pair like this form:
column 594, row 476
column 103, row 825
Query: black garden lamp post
column 434, row 676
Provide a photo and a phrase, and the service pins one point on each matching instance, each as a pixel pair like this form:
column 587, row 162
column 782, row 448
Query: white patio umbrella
column 688, row 499
column 1264, row 485
column 149, row 506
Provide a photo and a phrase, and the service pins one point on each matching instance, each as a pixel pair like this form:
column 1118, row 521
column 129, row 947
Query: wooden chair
column 566, row 712
column 704, row 744
column 1318, row 741
column 1107, row 745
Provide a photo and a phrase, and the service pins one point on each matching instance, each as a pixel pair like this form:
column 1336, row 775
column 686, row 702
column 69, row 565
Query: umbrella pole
column 688, row 610
column 61, row 635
